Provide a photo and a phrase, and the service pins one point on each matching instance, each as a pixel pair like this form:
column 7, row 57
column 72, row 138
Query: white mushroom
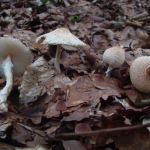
column 14, row 57
column 60, row 36
column 115, row 57
column 140, row 74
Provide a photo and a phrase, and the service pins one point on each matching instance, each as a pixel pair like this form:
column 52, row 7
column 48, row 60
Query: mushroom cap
column 61, row 106
column 82, row 127
column 140, row 74
column 60, row 36
column 20, row 55
column 114, row 56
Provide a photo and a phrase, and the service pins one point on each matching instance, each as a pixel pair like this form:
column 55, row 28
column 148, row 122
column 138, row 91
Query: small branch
column 101, row 131
column 92, row 31
column 139, row 16
column 134, row 24
column 143, row 103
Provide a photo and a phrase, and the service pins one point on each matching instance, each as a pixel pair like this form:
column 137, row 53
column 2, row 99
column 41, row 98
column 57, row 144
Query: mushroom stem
column 57, row 58
column 108, row 71
column 7, row 66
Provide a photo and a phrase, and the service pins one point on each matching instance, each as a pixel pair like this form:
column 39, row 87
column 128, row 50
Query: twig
column 144, row 102
column 92, row 31
column 139, row 16
column 102, row 131
column 145, row 18
column 134, row 24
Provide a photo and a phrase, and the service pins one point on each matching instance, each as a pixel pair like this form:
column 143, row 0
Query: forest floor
column 111, row 108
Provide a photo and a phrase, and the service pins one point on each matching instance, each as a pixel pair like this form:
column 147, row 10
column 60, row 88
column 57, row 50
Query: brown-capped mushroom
column 82, row 127
column 140, row 74
column 114, row 57
column 61, row 106
column 14, row 57
column 60, row 36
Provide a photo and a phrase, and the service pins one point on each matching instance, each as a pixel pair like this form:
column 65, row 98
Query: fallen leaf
column 73, row 145
column 34, row 74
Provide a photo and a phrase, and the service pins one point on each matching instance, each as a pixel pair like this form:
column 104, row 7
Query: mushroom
column 60, row 36
column 140, row 74
column 82, row 127
column 115, row 57
column 14, row 57
column 61, row 106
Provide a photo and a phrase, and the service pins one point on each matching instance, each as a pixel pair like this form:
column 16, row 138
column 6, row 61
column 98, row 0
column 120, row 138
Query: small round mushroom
column 60, row 36
column 82, row 127
column 61, row 106
column 114, row 57
column 14, row 57
column 140, row 74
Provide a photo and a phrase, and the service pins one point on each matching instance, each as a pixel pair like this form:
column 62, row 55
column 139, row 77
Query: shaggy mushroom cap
column 114, row 56
column 140, row 74
column 60, row 36
column 20, row 55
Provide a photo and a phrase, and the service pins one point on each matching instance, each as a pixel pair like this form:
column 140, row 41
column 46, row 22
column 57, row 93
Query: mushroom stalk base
column 57, row 58
column 108, row 71
column 7, row 68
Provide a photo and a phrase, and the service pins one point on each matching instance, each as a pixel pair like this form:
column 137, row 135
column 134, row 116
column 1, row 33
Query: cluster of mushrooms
column 15, row 56
column 139, row 69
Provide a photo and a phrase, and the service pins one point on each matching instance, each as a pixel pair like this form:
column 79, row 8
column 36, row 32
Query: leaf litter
column 91, row 98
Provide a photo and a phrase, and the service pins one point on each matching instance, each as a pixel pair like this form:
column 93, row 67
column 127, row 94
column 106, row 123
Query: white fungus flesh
column 140, row 74
column 20, row 55
column 14, row 57
column 60, row 36
column 114, row 57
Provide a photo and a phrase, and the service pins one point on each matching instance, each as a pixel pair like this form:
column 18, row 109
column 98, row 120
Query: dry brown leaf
column 52, row 129
column 73, row 145
column 34, row 74
column 36, row 110
column 87, row 93
column 21, row 134
column 78, row 114
column 133, row 139
column 3, row 129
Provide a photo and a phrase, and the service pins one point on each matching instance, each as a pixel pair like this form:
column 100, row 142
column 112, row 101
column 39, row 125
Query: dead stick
column 102, row 131
column 139, row 16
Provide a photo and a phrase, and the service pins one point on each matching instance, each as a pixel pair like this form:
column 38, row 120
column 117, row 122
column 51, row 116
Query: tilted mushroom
column 140, row 74
column 114, row 57
column 14, row 57
column 60, row 36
